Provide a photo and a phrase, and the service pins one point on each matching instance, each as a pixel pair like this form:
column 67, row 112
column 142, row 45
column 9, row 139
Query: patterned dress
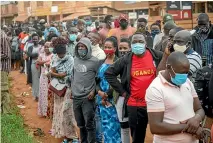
column 43, row 89
column 109, row 118
column 63, row 117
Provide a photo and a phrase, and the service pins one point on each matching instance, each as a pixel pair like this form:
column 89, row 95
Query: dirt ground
column 31, row 120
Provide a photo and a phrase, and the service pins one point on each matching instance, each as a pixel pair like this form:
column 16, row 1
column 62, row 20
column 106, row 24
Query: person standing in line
column 96, row 50
column 107, row 122
column 155, row 29
column 124, row 31
column 72, row 32
column 61, row 69
column 5, row 69
column 44, row 62
column 15, row 52
column 167, row 17
column 124, row 48
column 22, row 42
column 202, row 39
column 137, row 69
column 33, row 75
column 182, row 43
column 106, row 28
column 164, row 40
column 173, row 106
column 83, row 89
column 142, row 28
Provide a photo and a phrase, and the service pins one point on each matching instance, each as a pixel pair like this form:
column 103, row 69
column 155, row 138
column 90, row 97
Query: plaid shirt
column 5, row 52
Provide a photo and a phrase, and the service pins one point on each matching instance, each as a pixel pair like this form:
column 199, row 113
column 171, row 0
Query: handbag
column 57, row 87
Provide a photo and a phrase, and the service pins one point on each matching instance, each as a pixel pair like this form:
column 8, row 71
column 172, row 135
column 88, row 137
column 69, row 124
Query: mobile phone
column 171, row 48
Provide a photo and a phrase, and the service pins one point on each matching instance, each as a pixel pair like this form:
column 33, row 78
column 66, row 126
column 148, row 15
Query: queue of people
column 107, row 84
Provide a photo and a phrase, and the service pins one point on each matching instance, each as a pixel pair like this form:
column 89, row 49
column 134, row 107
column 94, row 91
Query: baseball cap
column 167, row 17
column 123, row 16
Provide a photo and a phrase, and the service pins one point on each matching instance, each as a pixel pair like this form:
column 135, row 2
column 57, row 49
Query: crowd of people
column 107, row 83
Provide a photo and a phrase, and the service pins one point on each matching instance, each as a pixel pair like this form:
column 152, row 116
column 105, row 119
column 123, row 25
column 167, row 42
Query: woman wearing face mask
column 155, row 29
column 106, row 105
column 61, row 66
column 124, row 47
column 33, row 69
column 44, row 62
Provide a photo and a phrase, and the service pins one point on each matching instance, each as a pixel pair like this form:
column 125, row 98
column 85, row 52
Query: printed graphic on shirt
column 143, row 72
column 80, row 68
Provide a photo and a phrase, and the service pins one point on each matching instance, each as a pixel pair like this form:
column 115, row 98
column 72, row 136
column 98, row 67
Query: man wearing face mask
column 73, row 31
column 163, row 43
column 202, row 39
column 124, row 31
column 96, row 50
column 182, row 43
column 88, row 22
column 137, row 69
column 141, row 28
column 83, row 89
column 173, row 106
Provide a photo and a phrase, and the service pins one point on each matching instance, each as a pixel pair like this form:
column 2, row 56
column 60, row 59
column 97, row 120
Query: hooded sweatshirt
column 85, row 70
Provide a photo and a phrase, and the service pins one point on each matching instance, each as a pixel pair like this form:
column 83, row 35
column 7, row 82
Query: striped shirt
column 195, row 61
column 5, row 53
column 207, row 50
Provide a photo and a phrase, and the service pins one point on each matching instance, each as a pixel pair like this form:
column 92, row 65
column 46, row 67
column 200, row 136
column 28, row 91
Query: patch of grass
column 12, row 126
column 12, row 129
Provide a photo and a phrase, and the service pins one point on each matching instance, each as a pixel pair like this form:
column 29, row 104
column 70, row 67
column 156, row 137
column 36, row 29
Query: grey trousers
column 84, row 110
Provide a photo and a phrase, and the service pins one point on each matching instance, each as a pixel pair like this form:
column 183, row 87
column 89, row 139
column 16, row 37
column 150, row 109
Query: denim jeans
column 84, row 110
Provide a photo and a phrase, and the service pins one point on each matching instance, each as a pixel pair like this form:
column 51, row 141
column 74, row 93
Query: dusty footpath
column 28, row 110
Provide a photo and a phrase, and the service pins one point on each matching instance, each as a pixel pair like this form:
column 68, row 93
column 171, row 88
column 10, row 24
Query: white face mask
column 112, row 25
column 180, row 48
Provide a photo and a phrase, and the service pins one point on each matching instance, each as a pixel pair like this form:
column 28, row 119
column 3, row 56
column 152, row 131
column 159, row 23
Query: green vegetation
column 12, row 128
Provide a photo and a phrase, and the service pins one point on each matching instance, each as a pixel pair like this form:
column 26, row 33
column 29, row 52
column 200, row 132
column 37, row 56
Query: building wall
column 64, row 7
column 8, row 11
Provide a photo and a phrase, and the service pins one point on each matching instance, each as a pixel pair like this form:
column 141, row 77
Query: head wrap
column 55, row 30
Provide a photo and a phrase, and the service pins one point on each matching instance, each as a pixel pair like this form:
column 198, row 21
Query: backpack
column 202, row 87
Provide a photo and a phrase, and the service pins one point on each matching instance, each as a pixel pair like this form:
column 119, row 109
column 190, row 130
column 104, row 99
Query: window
column 210, row 7
column 201, row 7
column 26, row 4
column 58, row 2
column 40, row 3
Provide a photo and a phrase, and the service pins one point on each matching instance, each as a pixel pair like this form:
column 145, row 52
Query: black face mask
column 123, row 24
column 35, row 42
column 122, row 53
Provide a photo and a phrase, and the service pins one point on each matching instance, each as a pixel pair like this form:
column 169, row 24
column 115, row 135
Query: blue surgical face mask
column 82, row 52
column 88, row 23
column 51, row 49
column 73, row 37
column 138, row 48
column 154, row 33
column 179, row 79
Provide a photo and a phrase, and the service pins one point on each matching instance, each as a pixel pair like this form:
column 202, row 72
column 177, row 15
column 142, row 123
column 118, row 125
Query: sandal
column 38, row 132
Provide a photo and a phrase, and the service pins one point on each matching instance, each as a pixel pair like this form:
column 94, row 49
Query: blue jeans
column 99, row 134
